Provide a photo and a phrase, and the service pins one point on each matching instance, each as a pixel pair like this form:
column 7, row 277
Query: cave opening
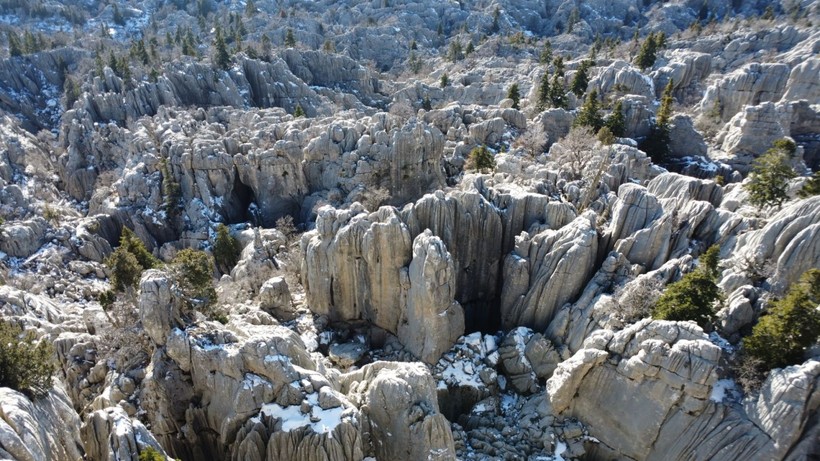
column 482, row 315
column 237, row 207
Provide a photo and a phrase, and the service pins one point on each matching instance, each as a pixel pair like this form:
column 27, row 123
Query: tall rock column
column 432, row 320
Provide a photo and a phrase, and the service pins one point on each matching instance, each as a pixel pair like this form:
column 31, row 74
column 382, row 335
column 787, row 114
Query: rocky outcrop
column 670, row 364
column 621, row 78
column 111, row 435
column 22, row 239
column 752, row 84
column 684, row 140
column 751, row 132
column 802, row 83
column 686, row 69
column 547, row 270
column 432, row 320
column 788, row 243
column 400, row 407
column 527, row 358
column 43, row 429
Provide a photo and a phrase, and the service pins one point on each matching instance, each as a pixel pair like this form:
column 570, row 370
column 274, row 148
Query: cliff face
column 386, row 297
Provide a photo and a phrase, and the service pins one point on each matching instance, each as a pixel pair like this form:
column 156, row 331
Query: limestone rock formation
column 752, row 84
column 45, row 428
column 547, row 270
column 110, row 434
column 432, row 320
column 400, row 406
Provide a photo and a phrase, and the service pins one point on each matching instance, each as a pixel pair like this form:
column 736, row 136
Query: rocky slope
column 420, row 307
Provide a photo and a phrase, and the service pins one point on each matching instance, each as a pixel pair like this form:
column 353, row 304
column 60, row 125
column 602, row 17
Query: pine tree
column 581, row 79
column 589, row 115
column 495, row 27
column 791, row 325
column 546, row 53
column 455, row 53
column 616, row 121
column 298, row 112
column 656, row 143
column 470, row 48
column 543, row 92
column 768, row 181
column 290, row 40
column 514, row 94
column 557, row 93
column 445, row 80
column 480, row 159
column 226, row 249
column 71, row 91
column 221, row 57
column 647, row 55
column 558, row 63
column 14, row 44
column 694, row 295
column 426, row 104
column 665, row 110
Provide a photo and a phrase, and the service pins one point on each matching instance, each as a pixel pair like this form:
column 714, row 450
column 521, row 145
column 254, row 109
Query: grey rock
column 432, row 320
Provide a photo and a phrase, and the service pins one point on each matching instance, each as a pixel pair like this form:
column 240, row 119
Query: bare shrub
column 534, row 140
column 576, row 152
column 636, row 299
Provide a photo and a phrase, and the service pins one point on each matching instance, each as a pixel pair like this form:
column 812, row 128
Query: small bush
column 150, row 454
column 791, row 325
column 132, row 244
column 769, row 179
column 480, row 159
column 226, row 249
column 125, row 269
column 25, row 364
column 693, row 296
column 194, row 271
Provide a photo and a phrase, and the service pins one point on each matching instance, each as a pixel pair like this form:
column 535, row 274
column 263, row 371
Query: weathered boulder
column 685, row 68
column 158, row 307
column 802, row 83
column 751, row 85
column 670, row 364
column 324, row 425
column 684, row 140
column 526, row 358
column 432, row 321
column 751, row 132
column 547, row 270
column 621, row 77
column 790, row 242
column 398, row 401
column 111, row 435
column 274, row 298
column 21, row 239
column 43, row 429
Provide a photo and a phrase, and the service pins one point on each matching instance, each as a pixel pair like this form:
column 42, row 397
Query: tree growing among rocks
column 543, row 92
column 769, row 179
column 782, row 335
column 226, row 249
column 221, row 57
column 656, row 143
column 693, row 296
column 26, row 365
column 193, row 271
column 616, row 122
column 480, row 159
column 590, row 114
column 580, row 80
column 515, row 95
